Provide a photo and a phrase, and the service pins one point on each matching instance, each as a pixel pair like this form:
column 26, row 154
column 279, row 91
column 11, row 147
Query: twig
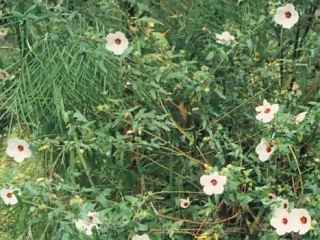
column 297, row 162
column 281, row 61
column 220, row 221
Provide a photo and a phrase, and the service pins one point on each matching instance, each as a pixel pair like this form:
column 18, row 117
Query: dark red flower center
column 271, row 196
column 214, row 182
column 285, row 221
column 267, row 110
column 303, row 220
column 118, row 41
column 288, row 14
column 20, row 148
column 269, row 149
column 9, row 195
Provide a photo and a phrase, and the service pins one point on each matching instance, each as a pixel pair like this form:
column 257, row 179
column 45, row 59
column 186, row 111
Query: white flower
column 225, row 38
column 117, row 43
column 3, row 33
column 86, row 225
column 141, row 237
column 281, row 221
column 301, row 220
column 272, row 196
column 213, row 183
column 266, row 112
column 264, row 150
column 185, row 203
column 300, row 117
column 284, row 203
column 93, row 218
column 8, row 196
column 296, row 89
column 286, row 16
column 18, row 149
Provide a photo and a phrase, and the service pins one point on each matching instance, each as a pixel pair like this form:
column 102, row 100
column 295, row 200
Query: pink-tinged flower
column 281, row 221
column 86, row 225
column 225, row 38
column 301, row 220
column 264, row 150
column 300, row 117
column 117, row 43
column 213, row 183
column 141, row 237
column 266, row 112
column 8, row 196
column 18, row 149
column 185, row 203
column 286, row 16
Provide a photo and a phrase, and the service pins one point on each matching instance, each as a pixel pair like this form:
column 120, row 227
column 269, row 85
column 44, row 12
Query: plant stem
column 86, row 169
column 281, row 60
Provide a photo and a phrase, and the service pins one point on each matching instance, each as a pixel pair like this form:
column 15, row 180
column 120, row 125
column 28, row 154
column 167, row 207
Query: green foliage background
column 129, row 136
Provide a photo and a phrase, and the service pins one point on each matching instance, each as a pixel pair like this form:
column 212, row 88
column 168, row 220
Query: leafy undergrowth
column 175, row 119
